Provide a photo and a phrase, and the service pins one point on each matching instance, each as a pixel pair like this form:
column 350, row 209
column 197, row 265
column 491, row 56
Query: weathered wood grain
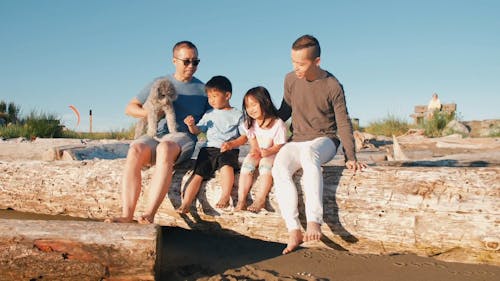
column 452, row 213
column 77, row 250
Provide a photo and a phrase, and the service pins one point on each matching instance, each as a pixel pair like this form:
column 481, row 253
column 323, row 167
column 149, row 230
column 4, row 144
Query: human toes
column 146, row 219
column 255, row 207
column 313, row 232
column 294, row 240
column 241, row 206
column 119, row 220
column 222, row 203
column 183, row 209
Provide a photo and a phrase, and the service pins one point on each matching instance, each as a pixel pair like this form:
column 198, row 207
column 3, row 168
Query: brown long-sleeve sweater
column 317, row 108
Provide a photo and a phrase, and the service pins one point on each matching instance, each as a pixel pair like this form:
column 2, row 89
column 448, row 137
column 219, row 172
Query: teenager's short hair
column 220, row 83
column 184, row 44
column 308, row 41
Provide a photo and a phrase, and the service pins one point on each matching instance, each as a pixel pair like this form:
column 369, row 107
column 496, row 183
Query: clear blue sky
column 389, row 55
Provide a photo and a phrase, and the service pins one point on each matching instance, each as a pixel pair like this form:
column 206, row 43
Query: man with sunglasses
column 166, row 149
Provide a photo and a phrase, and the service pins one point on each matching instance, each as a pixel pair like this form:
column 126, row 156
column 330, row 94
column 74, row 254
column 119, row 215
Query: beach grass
column 46, row 125
column 388, row 126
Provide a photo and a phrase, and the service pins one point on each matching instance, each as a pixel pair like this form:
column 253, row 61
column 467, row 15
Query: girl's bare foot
column 295, row 238
column 119, row 220
column 241, row 206
column 313, row 232
column 257, row 205
column 146, row 219
column 183, row 209
column 223, row 203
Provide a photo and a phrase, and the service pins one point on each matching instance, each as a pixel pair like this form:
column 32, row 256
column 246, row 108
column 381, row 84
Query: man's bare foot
column 119, row 220
column 241, row 206
column 223, row 203
column 257, row 205
column 295, row 238
column 183, row 209
column 313, row 232
column 146, row 219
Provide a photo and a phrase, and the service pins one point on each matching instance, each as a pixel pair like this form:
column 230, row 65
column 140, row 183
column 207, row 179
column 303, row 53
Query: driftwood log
column 452, row 213
column 77, row 250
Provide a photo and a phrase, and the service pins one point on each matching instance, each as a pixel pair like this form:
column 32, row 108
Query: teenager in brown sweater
column 315, row 100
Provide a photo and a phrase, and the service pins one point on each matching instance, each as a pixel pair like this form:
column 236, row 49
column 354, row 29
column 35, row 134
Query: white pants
column 309, row 156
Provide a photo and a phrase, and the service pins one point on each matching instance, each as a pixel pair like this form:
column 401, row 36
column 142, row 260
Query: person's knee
column 139, row 152
column 167, row 151
column 309, row 156
column 279, row 171
column 265, row 169
column 247, row 168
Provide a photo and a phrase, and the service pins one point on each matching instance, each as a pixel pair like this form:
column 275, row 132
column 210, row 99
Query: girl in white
column 266, row 135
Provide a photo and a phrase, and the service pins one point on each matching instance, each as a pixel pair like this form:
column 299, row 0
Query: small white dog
column 160, row 99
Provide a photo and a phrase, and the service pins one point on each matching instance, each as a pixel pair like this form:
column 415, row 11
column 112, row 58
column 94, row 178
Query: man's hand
column 355, row 165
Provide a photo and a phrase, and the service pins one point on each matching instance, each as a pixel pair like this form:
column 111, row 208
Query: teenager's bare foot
column 119, row 220
column 146, row 219
column 241, row 206
column 313, row 232
column 257, row 205
column 295, row 238
column 223, row 203
column 183, row 209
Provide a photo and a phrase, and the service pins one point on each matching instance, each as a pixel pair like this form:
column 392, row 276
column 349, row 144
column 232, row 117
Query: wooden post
column 90, row 121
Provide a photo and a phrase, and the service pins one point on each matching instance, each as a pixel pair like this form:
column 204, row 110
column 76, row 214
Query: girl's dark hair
column 266, row 104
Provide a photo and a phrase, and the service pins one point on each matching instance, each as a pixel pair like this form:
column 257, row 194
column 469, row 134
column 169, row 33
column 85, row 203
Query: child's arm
column 232, row 144
column 189, row 121
column 254, row 148
column 265, row 152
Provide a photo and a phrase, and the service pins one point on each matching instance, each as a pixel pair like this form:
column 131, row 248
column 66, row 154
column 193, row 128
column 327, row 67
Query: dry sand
column 191, row 255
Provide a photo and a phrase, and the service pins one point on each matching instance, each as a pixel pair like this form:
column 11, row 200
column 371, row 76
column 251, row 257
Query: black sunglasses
column 186, row 62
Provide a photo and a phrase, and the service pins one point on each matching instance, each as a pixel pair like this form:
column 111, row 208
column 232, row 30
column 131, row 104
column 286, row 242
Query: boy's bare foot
column 241, row 206
column 313, row 232
column 295, row 238
column 257, row 205
column 183, row 209
column 146, row 219
column 223, row 203
column 119, row 220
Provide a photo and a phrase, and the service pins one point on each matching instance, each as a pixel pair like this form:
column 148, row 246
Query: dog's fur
column 161, row 97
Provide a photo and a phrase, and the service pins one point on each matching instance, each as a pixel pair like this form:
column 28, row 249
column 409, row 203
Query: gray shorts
column 182, row 139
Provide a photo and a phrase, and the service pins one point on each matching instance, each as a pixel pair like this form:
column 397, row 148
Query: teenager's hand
column 355, row 165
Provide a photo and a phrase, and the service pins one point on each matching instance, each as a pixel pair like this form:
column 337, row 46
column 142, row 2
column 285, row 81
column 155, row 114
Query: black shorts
column 210, row 159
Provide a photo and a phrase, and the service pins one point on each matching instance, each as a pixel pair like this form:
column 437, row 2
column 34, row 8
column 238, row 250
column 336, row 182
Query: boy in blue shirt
column 224, row 129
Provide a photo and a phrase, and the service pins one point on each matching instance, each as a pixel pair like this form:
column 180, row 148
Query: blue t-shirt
column 191, row 100
column 221, row 126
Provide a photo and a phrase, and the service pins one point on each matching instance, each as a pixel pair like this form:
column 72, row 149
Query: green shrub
column 35, row 125
column 434, row 126
column 42, row 125
column 389, row 126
